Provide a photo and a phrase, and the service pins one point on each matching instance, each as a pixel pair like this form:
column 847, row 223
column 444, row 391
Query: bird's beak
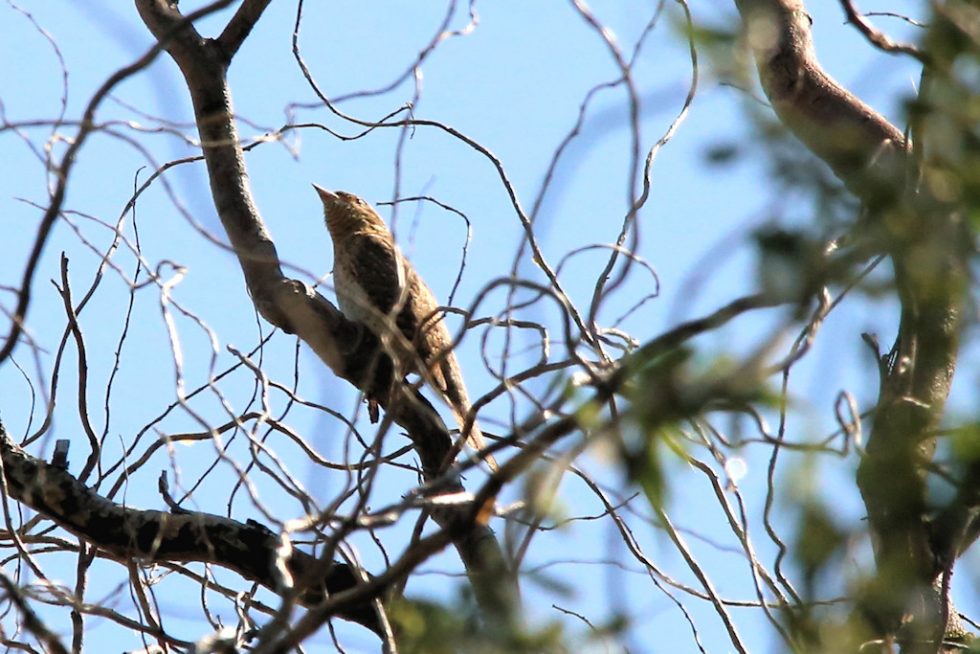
column 325, row 195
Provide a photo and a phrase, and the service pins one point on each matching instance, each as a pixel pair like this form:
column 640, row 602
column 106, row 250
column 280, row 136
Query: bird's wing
column 391, row 284
column 380, row 272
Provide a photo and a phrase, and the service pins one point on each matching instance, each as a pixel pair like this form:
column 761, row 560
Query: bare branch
column 879, row 39
column 923, row 234
column 250, row 549
column 864, row 150
column 240, row 26
column 351, row 352
column 63, row 170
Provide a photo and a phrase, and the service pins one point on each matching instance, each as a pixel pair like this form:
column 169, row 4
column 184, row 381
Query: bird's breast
column 353, row 300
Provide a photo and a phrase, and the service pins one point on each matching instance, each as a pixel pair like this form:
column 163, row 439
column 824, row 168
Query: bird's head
column 346, row 213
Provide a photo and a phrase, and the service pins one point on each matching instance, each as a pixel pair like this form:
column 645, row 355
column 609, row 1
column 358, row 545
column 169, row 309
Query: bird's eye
column 350, row 198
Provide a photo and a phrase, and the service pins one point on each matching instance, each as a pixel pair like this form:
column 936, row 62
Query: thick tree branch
column 125, row 533
column 923, row 235
column 865, row 150
column 293, row 306
column 240, row 26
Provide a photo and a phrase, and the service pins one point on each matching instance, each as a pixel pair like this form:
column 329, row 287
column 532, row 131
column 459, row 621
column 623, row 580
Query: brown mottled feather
column 374, row 281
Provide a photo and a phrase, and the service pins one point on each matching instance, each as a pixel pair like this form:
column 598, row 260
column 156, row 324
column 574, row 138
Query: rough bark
column 293, row 306
column 924, row 239
column 125, row 533
column 350, row 351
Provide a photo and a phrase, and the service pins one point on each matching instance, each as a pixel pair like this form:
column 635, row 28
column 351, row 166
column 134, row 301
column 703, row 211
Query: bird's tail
column 459, row 403
column 474, row 437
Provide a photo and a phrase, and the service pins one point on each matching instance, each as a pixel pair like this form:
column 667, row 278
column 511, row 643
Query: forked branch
column 923, row 236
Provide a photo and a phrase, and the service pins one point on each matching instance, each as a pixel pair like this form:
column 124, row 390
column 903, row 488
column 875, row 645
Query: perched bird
column 378, row 287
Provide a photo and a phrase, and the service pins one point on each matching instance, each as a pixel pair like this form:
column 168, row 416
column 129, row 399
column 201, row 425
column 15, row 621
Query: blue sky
column 514, row 85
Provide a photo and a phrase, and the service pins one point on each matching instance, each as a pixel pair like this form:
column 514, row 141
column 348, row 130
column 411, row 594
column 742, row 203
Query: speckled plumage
column 375, row 283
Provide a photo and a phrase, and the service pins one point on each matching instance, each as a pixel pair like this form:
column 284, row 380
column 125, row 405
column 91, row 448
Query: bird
column 379, row 288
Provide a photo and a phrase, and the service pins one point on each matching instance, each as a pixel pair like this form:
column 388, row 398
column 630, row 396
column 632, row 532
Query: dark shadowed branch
column 126, row 533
